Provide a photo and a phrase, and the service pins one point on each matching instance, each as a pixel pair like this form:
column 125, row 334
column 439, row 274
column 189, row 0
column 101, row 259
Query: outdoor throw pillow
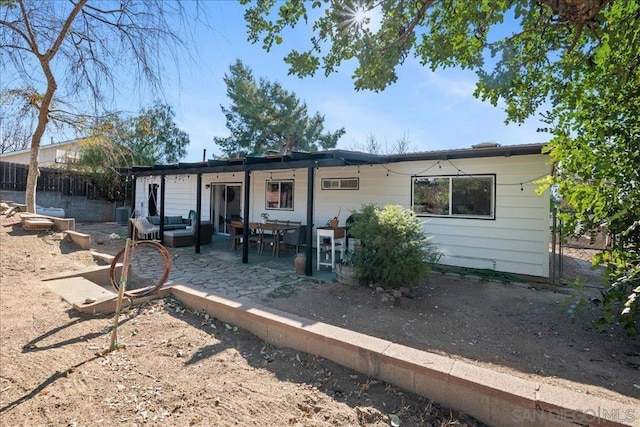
column 173, row 220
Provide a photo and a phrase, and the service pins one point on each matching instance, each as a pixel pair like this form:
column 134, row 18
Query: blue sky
column 436, row 110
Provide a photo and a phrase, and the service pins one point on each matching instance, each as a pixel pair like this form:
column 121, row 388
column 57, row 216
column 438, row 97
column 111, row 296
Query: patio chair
column 297, row 237
column 266, row 238
column 237, row 228
column 255, row 237
column 145, row 230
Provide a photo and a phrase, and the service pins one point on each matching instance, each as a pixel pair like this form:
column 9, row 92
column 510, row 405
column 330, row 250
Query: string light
column 521, row 188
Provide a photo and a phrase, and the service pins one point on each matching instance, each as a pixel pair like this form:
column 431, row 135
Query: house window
column 64, row 156
column 340, row 183
column 469, row 196
column 279, row 195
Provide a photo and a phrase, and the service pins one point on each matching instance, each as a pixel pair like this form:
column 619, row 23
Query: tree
column 16, row 122
column 150, row 138
column 115, row 142
column 373, row 146
column 64, row 52
column 153, row 137
column 576, row 60
column 264, row 117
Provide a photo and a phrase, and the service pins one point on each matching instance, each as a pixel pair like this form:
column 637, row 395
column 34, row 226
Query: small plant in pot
column 346, row 272
column 333, row 222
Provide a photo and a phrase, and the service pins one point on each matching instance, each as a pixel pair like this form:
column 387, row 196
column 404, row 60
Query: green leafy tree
column 576, row 60
column 394, row 250
column 153, row 137
column 264, row 117
column 60, row 53
column 147, row 139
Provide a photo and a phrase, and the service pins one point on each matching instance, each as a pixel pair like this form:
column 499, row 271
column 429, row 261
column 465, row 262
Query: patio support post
column 162, row 193
column 198, row 209
column 308, row 268
column 130, row 226
column 245, row 218
column 133, row 195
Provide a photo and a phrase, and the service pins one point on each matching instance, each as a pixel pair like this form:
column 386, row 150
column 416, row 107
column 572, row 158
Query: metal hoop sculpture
column 147, row 272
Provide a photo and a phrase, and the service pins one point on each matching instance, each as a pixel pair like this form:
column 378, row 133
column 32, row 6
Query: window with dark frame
column 468, row 196
column 279, row 195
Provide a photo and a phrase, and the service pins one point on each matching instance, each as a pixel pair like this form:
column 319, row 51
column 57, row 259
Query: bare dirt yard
column 180, row 368
column 176, row 367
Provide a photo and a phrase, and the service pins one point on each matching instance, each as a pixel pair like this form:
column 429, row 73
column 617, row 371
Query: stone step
column 79, row 291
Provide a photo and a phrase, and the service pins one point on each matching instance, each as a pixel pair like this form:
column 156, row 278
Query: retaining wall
column 496, row 398
column 78, row 207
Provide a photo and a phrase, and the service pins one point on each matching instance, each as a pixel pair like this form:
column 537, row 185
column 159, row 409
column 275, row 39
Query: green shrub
column 394, row 250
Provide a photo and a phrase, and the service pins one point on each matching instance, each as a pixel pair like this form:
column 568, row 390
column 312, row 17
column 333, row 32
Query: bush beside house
column 394, row 251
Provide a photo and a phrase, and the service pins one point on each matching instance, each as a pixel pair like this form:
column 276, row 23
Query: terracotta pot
column 300, row 262
column 334, row 223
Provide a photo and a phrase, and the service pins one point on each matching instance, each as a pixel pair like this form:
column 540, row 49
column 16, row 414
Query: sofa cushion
column 176, row 233
column 155, row 220
column 173, row 220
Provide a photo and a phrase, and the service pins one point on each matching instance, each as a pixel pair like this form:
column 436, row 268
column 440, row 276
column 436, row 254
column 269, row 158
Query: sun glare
column 359, row 16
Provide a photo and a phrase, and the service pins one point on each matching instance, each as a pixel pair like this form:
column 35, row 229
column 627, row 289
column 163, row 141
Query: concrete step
column 79, row 291
column 88, row 297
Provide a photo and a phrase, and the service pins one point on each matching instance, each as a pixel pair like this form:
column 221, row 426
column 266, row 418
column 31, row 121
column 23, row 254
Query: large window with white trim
column 279, row 195
column 467, row 196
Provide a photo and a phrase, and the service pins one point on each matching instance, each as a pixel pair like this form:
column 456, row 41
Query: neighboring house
column 59, row 154
column 479, row 204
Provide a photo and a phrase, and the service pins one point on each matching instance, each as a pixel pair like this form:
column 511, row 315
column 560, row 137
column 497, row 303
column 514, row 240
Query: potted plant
column 346, row 272
column 333, row 222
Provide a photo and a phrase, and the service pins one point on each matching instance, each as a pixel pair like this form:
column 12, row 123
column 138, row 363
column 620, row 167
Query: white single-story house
column 480, row 205
column 56, row 154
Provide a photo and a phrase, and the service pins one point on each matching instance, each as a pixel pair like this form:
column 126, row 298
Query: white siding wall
column 180, row 194
column 516, row 241
column 142, row 194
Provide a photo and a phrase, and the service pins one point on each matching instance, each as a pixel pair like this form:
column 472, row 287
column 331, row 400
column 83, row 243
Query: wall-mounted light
column 207, row 186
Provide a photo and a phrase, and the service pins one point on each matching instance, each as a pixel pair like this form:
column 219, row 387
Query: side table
column 323, row 248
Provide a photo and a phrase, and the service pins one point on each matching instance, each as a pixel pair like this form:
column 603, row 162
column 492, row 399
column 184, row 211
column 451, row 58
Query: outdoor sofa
column 170, row 222
column 186, row 237
column 148, row 227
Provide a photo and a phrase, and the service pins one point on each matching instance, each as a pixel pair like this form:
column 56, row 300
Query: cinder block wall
column 78, row 207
